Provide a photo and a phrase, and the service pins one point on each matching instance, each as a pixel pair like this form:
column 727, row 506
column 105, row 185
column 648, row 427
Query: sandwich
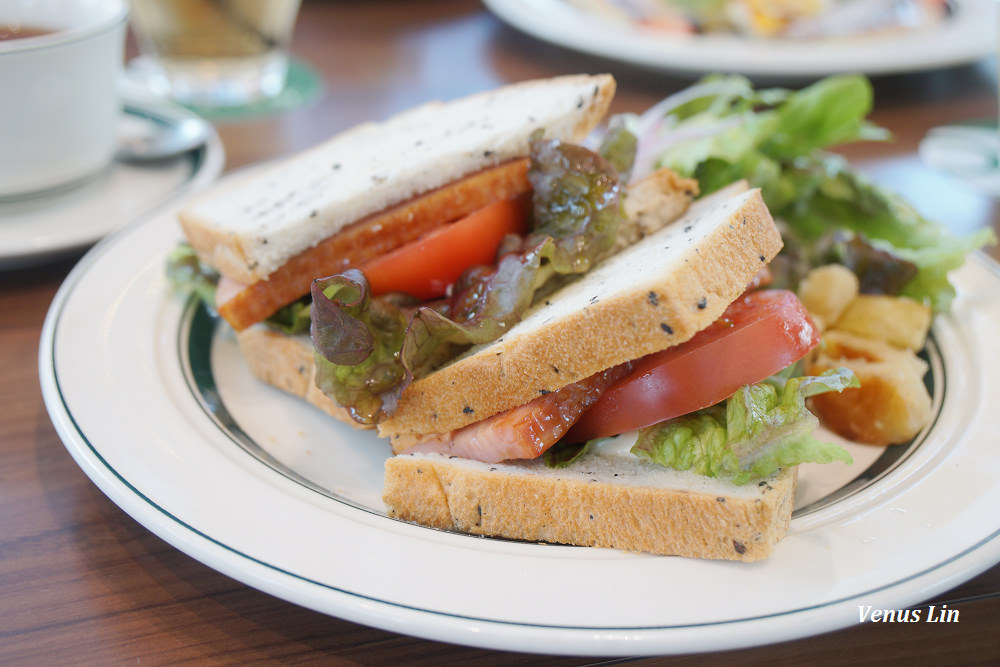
column 609, row 375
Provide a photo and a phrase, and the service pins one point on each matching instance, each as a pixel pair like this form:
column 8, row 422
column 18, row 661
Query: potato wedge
column 826, row 291
column 897, row 320
column 892, row 403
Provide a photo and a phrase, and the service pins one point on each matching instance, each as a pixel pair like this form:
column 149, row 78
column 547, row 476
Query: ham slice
column 527, row 431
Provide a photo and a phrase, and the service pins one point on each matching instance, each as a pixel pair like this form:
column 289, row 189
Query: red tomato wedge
column 760, row 334
column 426, row 267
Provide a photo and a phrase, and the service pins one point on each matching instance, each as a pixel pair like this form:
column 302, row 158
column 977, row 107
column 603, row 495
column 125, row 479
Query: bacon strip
column 372, row 237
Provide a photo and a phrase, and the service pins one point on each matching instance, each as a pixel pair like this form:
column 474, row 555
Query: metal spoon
column 164, row 142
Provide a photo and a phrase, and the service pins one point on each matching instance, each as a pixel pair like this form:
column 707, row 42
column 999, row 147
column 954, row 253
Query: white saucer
column 48, row 227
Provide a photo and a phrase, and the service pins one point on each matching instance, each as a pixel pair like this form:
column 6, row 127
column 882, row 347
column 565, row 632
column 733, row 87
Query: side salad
column 723, row 129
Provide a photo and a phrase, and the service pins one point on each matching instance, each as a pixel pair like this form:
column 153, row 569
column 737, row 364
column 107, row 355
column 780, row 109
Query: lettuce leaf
column 368, row 350
column 292, row 319
column 761, row 428
column 722, row 130
column 619, row 146
column 564, row 453
column 361, row 337
column 576, row 205
column 187, row 274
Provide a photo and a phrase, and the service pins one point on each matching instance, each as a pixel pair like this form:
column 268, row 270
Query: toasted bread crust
column 658, row 307
column 627, row 511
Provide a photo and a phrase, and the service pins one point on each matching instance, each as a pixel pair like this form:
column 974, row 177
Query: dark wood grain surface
column 82, row 583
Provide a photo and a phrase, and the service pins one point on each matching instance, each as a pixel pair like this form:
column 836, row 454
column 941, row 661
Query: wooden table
column 81, row 582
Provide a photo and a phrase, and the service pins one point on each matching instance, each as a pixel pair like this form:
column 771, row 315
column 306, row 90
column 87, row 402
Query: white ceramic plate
column 154, row 403
column 43, row 228
column 969, row 34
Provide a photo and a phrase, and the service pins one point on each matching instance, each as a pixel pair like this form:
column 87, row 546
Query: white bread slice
column 618, row 502
column 652, row 295
column 249, row 227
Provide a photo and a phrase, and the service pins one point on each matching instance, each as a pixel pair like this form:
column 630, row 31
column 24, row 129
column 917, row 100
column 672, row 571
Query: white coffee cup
column 59, row 99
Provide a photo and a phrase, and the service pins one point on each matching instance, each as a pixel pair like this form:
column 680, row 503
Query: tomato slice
column 760, row 334
column 426, row 267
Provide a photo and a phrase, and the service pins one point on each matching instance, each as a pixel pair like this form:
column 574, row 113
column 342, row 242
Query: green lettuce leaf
column 576, row 205
column 361, row 338
column 761, row 428
column 186, row 274
column 777, row 140
column 618, row 146
column 292, row 319
column 564, row 453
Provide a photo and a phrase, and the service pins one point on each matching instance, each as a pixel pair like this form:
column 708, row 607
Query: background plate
column 968, row 35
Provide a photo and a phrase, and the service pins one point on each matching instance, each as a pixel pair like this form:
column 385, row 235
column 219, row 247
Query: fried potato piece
column 898, row 320
column 892, row 403
column 373, row 237
column 826, row 291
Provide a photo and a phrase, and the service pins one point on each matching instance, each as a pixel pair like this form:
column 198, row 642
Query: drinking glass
column 215, row 53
